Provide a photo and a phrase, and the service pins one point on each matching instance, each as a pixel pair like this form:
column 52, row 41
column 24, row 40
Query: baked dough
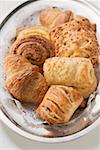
column 53, row 17
column 23, row 80
column 76, row 72
column 35, row 48
column 76, row 38
column 59, row 104
column 32, row 30
column 33, row 42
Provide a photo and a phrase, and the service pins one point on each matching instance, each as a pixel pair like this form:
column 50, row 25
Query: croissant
column 76, row 72
column 76, row 38
column 59, row 104
column 23, row 80
column 53, row 17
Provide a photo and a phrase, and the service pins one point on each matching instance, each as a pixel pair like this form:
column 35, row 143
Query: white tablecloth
column 11, row 141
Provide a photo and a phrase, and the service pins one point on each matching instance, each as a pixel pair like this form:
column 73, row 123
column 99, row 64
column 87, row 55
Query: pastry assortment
column 52, row 65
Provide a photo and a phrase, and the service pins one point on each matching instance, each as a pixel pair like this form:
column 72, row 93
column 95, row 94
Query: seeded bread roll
column 76, row 38
column 59, row 104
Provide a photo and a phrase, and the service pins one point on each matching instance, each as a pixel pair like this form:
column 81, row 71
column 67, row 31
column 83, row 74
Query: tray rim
column 13, row 127
column 4, row 119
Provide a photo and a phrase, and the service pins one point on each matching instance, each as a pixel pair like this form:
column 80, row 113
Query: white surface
column 11, row 141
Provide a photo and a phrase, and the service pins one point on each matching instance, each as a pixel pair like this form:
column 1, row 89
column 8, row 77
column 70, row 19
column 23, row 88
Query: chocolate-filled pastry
column 53, row 17
column 76, row 38
column 76, row 72
column 23, row 80
column 35, row 48
column 59, row 104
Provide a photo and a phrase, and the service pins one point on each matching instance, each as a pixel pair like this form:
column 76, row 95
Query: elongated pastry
column 23, row 80
column 76, row 72
column 53, row 17
column 76, row 39
column 59, row 104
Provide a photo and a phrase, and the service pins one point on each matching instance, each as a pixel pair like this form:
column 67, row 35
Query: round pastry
column 59, row 104
column 76, row 72
column 23, row 80
column 76, row 39
column 35, row 48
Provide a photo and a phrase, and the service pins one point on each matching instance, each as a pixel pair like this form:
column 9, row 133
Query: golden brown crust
column 76, row 39
column 53, row 17
column 23, row 80
column 14, row 64
column 32, row 30
column 18, row 30
column 76, row 72
column 59, row 104
column 48, row 15
column 85, row 22
column 35, row 48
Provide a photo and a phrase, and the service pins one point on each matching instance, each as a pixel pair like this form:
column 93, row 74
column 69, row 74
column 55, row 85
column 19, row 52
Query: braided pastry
column 59, row 104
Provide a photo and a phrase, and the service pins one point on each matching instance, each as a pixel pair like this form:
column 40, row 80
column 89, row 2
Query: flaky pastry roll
column 76, row 72
column 33, row 30
column 59, row 104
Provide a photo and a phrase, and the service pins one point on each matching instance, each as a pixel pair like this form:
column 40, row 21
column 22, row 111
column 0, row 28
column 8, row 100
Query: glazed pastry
column 32, row 30
column 23, row 80
column 53, row 17
column 59, row 104
column 76, row 39
column 35, row 48
column 76, row 72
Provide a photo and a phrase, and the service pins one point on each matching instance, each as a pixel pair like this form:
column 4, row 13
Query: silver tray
column 21, row 118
